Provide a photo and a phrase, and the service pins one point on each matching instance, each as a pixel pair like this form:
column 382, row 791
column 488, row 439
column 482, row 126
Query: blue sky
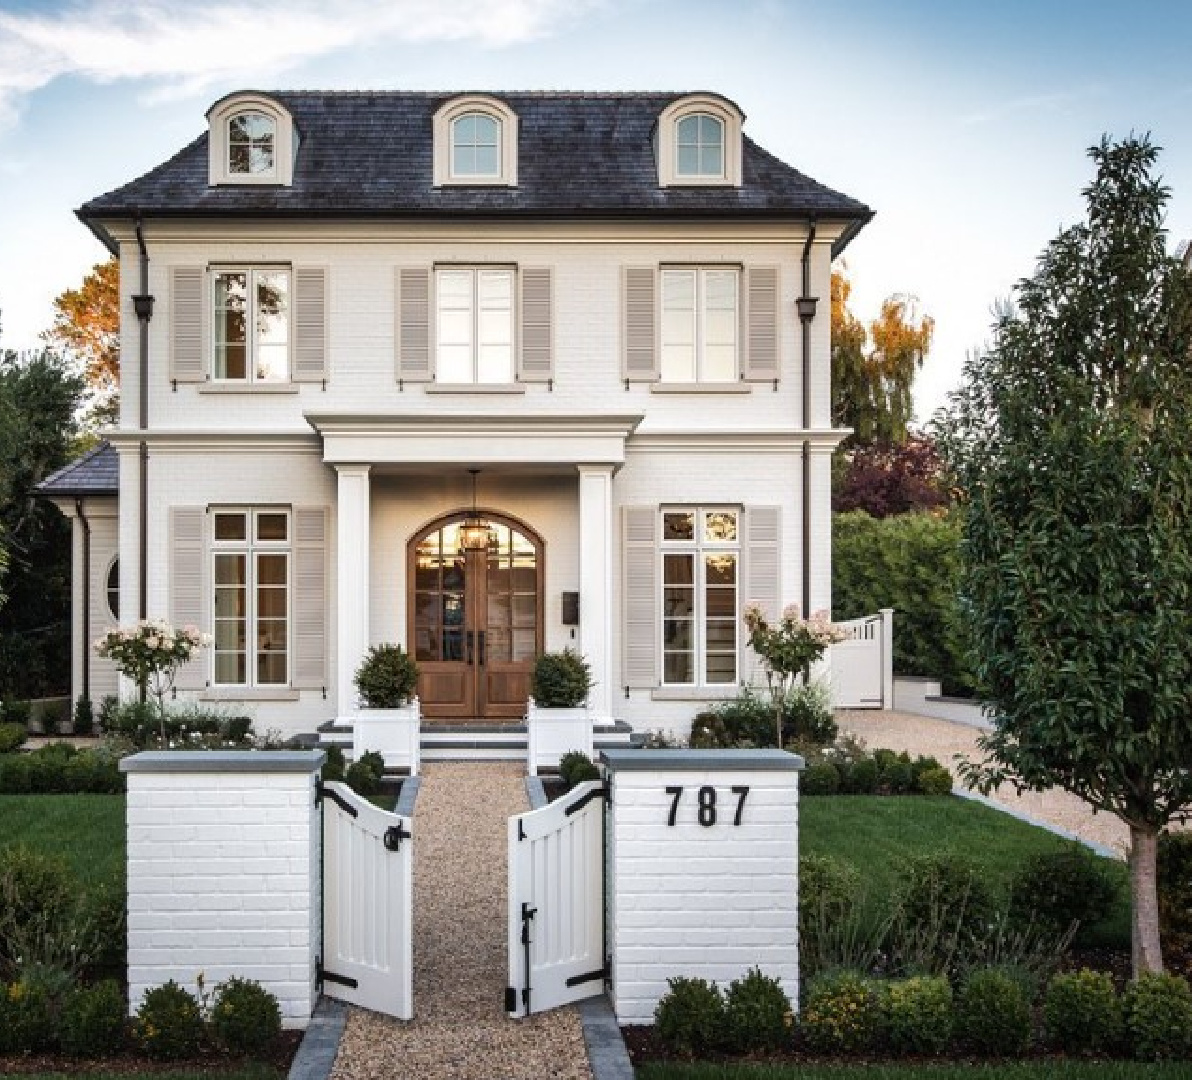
column 962, row 124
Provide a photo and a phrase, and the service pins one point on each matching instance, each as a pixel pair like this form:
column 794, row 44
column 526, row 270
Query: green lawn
column 86, row 830
column 876, row 833
column 1035, row 1070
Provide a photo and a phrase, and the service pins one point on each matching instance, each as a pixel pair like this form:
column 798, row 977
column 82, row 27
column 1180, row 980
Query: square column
column 352, row 580
column 596, row 583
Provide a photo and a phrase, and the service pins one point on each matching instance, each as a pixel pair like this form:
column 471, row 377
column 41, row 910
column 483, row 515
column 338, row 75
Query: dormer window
column 475, row 142
column 251, row 138
column 700, row 146
column 698, row 141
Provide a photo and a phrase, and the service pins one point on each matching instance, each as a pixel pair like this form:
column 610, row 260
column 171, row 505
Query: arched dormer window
column 475, row 142
column 699, row 142
column 251, row 141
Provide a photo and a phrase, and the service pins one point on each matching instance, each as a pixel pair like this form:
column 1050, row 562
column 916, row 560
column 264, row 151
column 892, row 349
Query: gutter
column 143, row 305
column 86, row 649
column 806, row 306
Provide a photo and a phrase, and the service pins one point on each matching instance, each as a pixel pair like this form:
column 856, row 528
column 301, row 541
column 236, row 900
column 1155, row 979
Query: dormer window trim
column 220, row 117
column 730, row 119
column 445, row 158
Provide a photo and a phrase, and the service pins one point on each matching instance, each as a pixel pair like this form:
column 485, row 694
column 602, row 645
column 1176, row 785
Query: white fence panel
column 556, row 902
column 368, row 877
column 862, row 665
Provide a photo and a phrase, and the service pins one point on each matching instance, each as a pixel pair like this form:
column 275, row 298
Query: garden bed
column 1048, row 1069
column 133, row 1066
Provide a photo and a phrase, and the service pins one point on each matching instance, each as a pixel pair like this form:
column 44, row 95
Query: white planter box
column 555, row 732
column 395, row 734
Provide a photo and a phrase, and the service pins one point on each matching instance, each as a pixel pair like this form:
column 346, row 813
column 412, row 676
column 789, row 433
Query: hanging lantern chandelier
column 475, row 534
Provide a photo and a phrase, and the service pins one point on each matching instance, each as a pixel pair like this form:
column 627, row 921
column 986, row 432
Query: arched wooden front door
column 475, row 619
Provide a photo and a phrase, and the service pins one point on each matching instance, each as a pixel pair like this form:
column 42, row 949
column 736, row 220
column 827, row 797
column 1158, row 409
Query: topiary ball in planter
column 386, row 678
column 561, row 680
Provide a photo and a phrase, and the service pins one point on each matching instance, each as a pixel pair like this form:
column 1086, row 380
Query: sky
column 963, row 125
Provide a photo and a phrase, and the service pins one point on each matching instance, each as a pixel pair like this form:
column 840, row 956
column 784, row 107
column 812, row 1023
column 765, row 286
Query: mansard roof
column 579, row 155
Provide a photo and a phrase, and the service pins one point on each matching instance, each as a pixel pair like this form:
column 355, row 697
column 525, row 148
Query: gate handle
column 394, row 835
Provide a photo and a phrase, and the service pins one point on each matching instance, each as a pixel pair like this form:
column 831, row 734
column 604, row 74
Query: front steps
column 477, row 740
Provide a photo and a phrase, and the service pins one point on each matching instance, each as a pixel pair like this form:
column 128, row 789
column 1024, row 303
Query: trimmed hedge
column 60, row 769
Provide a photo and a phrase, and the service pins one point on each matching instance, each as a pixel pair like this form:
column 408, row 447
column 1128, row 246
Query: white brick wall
column 697, row 901
column 224, row 879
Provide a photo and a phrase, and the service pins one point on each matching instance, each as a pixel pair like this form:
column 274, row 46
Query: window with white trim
column 475, row 142
column 701, row 561
column 474, row 331
column 700, row 325
column 699, row 146
column 251, row 137
column 475, row 146
column 251, row 324
column 251, row 578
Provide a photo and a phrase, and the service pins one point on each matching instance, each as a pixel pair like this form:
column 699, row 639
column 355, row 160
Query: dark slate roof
column 97, row 472
column 579, row 154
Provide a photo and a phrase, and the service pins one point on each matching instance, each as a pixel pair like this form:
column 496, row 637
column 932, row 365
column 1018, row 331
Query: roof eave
column 851, row 230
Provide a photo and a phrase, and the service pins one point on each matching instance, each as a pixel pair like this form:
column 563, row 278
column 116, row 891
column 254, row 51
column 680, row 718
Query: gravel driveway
column 460, row 1031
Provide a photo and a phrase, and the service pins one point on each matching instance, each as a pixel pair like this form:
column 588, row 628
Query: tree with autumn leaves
column 87, row 328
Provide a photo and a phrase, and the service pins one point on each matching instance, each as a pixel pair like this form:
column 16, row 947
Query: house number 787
column 706, row 804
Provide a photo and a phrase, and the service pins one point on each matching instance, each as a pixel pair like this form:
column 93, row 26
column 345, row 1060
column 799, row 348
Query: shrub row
column 61, row 769
column 16, row 712
column 173, row 1023
column 989, row 1014
column 185, row 726
column 747, row 721
column 849, row 769
column 363, row 776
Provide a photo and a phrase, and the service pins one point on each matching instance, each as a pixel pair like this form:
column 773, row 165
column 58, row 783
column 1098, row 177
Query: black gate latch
column 394, row 835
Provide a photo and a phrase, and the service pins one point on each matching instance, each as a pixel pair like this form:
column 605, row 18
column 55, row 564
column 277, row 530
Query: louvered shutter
column 537, row 326
column 763, row 571
column 188, row 586
column 187, row 324
column 309, row 601
column 640, row 322
column 310, row 324
column 761, row 322
column 639, row 602
column 413, row 323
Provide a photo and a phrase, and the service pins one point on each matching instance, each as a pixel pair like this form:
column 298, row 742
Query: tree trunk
column 1145, row 951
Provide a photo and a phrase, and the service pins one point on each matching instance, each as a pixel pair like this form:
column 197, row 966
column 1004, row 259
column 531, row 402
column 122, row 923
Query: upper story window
column 251, row 336
column 251, row 140
column 699, row 142
column 475, row 142
column 700, row 325
column 474, row 325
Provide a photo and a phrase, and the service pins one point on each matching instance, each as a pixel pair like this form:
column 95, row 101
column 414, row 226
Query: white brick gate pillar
column 703, row 870
column 351, row 579
column 596, row 583
column 224, row 857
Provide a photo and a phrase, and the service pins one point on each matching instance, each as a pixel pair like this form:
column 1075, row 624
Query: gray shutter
column 187, row 324
column 763, row 573
column 310, row 324
column 639, row 302
column 537, row 325
column 309, row 602
column 639, row 602
column 761, row 322
column 188, row 586
column 413, row 323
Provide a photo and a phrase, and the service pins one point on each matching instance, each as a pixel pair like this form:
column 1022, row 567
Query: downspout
column 86, row 627
column 806, row 305
column 143, row 305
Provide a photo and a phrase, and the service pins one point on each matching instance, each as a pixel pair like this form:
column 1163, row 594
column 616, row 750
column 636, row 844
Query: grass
column 85, row 830
column 877, row 833
column 1029, row 1070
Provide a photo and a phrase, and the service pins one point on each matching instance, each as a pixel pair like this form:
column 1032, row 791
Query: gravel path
column 948, row 741
column 460, row 1031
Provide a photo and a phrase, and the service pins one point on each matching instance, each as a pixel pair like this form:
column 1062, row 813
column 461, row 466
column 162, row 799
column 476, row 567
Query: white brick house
column 345, row 313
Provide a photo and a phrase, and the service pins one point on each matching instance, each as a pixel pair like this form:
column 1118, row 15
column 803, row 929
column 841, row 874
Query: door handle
column 480, row 646
column 468, row 642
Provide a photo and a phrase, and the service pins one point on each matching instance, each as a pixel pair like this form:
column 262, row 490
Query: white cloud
column 182, row 46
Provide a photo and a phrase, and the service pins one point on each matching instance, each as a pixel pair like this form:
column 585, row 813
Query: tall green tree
column 874, row 367
column 1070, row 447
column 39, row 399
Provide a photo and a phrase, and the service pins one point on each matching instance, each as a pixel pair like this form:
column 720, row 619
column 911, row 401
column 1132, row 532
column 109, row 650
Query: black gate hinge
column 394, row 835
column 322, row 975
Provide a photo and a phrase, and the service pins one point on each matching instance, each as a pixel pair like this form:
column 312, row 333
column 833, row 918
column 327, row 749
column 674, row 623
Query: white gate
column 368, row 874
column 556, row 902
column 862, row 665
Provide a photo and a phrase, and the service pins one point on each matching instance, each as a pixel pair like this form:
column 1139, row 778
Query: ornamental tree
column 787, row 649
column 149, row 654
column 1069, row 446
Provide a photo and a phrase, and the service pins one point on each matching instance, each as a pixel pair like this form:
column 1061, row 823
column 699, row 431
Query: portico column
column 352, row 580
column 596, row 583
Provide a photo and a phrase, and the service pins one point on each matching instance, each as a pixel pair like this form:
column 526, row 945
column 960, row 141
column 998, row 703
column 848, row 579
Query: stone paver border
column 1039, row 823
column 320, row 1044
